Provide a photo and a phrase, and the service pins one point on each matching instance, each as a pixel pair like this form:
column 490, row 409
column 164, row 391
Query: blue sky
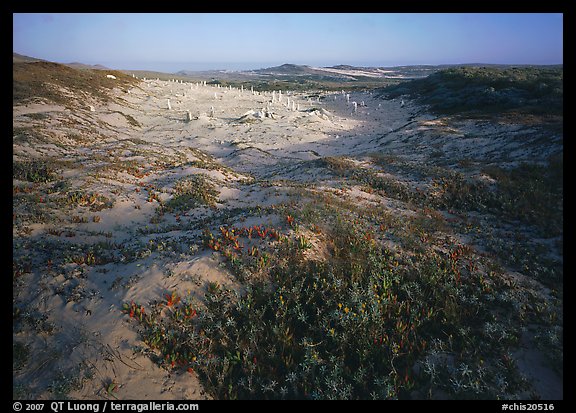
column 172, row 42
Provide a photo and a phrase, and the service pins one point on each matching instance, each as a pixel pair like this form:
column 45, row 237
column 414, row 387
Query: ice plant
column 237, row 246
column 171, row 299
column 274, row 234
column 189, row 312
column 261, row 231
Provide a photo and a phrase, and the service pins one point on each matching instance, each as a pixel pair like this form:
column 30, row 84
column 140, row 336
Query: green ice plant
column 354, row 327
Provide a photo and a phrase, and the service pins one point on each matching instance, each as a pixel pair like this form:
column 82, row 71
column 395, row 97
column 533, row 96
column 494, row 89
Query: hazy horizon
column 172, row 42
column 237, row 67
column 173, row 68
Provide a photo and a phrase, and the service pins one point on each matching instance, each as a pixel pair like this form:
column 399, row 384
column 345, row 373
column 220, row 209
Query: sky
column 171, row 42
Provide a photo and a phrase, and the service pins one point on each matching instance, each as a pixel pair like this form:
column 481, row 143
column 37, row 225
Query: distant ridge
column 20, row 58
column 342, row 67
column 287, row 68
column 77, row 65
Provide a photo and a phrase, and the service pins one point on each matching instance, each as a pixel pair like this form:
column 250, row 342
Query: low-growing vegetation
column 33, row 171
column 363, row 275
column 191, row 192
column 46, row 80
column 364, row 322
column 532, row 90
column 529, row 193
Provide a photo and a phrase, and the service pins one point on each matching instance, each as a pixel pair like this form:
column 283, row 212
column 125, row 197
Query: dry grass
column 43, row 80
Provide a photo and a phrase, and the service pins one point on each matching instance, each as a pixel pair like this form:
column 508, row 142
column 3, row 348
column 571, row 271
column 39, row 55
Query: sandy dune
column 254, row 151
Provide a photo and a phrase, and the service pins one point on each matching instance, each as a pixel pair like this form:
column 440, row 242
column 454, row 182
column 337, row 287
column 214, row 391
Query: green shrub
column 488, row 89
column 33, row 171
column 190, row 192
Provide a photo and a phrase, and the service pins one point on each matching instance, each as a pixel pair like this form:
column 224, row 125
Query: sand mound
column 320, row 113
column 255, row 116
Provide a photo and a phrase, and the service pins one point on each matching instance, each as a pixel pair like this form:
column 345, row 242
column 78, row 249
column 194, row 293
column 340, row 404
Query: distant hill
column 342, row 73
column 20, row 58
column 347, row 73
column 77, row 65
column 302, row 77
column 53, row 82
column 287, row 69
column 342, row 67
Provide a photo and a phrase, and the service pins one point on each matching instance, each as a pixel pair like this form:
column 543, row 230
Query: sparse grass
column 131, row 167
column 20, row 355
column 190, row 192
column 43, row 80
column 129, row 118
column 67, row 381
column 37, row 116
column 33, row 171
column 529, row 193
column 21, row 391
column 94, row 201
column 533, row 194
column 33, row 319
column 338, row 164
